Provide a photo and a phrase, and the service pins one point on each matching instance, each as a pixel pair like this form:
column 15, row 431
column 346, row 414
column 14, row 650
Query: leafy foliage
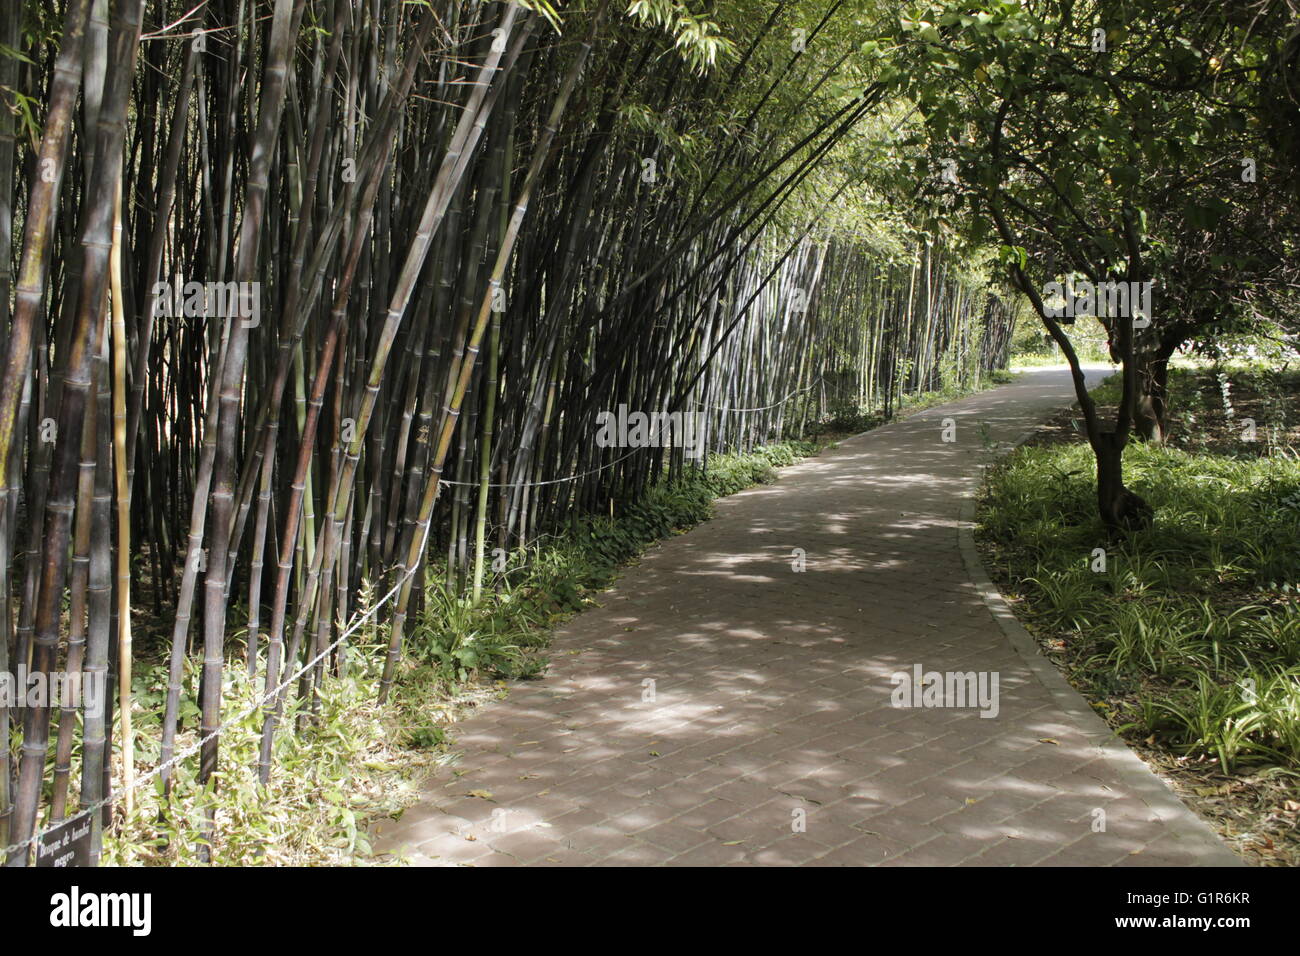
column 1191, row 632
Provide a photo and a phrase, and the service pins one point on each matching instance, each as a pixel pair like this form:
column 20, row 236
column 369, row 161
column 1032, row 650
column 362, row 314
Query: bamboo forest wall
column 307, row 303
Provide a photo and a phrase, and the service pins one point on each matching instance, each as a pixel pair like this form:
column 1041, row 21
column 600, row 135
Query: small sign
column 66, row 843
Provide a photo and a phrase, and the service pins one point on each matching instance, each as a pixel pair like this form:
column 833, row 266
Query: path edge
column 1181, row 820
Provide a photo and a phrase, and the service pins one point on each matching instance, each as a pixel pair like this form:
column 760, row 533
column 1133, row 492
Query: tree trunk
column 1149, row 419
column 1120, row 508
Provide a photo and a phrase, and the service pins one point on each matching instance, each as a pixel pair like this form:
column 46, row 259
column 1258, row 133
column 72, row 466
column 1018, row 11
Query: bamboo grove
column 309, row 300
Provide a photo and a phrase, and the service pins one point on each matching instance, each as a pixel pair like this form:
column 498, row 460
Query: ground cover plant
column 1184, row 635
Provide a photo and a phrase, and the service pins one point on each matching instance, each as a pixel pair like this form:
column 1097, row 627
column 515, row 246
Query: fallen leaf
column 485, row 794
column 1049, row 740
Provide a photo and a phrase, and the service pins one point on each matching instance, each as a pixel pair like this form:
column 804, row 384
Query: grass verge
column 1186, row 636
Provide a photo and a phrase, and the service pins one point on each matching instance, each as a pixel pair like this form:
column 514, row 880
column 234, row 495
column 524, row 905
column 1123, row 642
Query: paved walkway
column 722, row 708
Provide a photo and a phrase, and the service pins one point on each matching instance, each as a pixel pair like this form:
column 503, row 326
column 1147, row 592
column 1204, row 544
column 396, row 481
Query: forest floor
column 737, row 697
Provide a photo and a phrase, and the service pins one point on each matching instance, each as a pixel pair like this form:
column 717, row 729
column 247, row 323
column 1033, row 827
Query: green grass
column 1191, row 633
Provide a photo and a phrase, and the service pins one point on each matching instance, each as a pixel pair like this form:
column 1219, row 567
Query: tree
column 1100, row 144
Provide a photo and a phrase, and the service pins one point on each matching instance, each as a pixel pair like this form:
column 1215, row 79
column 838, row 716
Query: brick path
column 768, row 735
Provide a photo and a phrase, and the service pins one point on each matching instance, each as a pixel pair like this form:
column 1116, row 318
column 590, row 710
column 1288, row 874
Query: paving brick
column 525, row 845
column 712, row 811
column 774, row 693
column 794, row 850
column 868, row 851
column 708, row 854
column 674, row 837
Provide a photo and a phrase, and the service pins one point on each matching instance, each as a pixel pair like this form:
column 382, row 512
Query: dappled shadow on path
column 733, row 700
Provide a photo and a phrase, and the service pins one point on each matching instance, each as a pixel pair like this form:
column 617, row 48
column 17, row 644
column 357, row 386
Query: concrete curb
column 1164, row 803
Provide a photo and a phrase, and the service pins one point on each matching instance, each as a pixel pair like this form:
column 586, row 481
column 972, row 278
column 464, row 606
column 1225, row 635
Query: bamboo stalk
column 124, row 655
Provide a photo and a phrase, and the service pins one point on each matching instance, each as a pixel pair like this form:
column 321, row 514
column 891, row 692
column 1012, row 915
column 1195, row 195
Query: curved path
column 721, row 707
